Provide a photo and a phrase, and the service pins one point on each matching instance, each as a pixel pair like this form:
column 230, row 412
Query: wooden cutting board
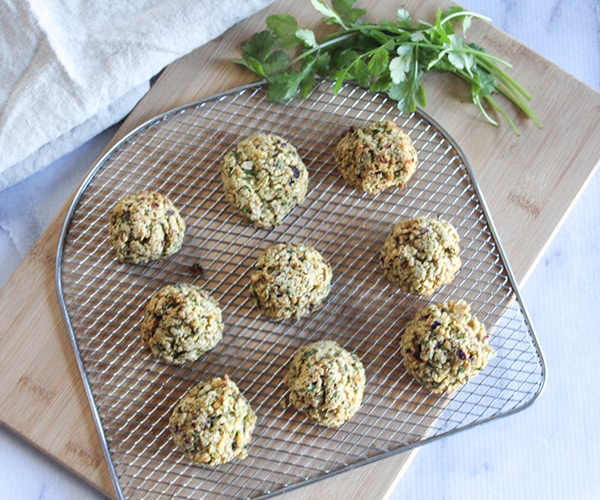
column 530, row 183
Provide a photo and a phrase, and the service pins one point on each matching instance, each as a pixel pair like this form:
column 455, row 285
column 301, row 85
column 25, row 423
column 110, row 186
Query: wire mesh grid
column 178, row 155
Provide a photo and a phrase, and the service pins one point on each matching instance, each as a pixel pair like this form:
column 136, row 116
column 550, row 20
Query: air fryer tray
column 178, row 154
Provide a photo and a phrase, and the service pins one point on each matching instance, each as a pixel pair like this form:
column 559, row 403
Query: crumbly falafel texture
column 145, row 226
column 326, row 383
column 290, row 281
column 444, row 346
column 420, row 255
column 213, row 423
column 376, row 157
column 181, row 323
column 264, row 179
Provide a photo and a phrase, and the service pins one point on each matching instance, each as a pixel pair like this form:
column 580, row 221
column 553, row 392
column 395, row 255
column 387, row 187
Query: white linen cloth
column 71, row 68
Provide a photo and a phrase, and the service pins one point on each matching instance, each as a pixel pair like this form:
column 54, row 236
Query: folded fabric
column 71, row 68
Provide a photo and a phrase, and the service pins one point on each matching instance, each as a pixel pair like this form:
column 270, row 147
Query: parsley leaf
column 307, row 84
column 331, row 16
column 402, row 92
column 450, row 12
column 382, row 83
column 456, row 55
column 259, row 46
column 483, row 83
column 379, row 61
column 359, row 71
column 277, row 61
column 476, row 47
column 420, row 97
column 339, row 76
column 386, row 24
column 346, row 57
column 308, row 37
column 466, row 24
column 322, row 64
column 284, row 27
column 284, row 86
column 400, row 66
column 440, row 33
column 404, row 19
column 408, row 92
column 346, row 11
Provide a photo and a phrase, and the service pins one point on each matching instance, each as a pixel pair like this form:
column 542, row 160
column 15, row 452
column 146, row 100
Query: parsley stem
column 503, row 76
column 485, row 55
column 319, row 47
column 466, row 14
column 529, row 112
column 520, row 104
column 513, row 92
column 497, row 107
column 477, row 100
column 360, row 28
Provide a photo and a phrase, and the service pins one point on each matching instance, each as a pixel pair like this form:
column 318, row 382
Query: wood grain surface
column 530, row 183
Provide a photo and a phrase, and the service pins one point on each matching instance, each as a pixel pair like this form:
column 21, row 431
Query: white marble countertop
column 550, row 450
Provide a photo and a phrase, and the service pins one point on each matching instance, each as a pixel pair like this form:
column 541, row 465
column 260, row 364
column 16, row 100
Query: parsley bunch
column 389, row 57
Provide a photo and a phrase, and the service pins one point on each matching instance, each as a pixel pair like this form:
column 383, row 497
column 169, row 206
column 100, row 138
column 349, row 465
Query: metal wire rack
column 177, row 154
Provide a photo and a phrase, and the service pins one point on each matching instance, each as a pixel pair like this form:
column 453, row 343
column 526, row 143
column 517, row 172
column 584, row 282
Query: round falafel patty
column 290, row 281
column 182, row 322
column 213, row 423
column 376, row 156
column 421, row 254
column 326, row 383
column 145, row 226
column 444, row 347
column 264, row 179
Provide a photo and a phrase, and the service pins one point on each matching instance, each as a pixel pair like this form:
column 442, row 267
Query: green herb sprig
column 389, row 57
